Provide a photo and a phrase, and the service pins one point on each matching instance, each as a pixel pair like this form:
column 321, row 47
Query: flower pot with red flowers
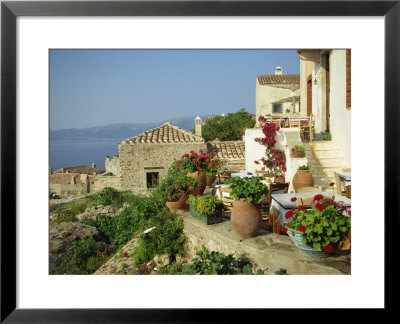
column 318, row 231
column 175, row 190
column 195, row 164
column 298, row 151
column 303, row 177
column 213, row 165
column 246, row 213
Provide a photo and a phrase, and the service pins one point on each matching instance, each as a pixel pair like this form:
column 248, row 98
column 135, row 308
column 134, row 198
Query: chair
column 295, row 120
column 348, row 191
column 277, row 119
column 307, row 129
column 228, row 202
column 222, row 177
column 308, row 189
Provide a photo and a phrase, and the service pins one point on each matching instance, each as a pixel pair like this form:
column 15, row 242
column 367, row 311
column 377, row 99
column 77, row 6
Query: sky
column 99, row 87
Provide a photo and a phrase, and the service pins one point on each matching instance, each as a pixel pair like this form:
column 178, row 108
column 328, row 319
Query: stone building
column 277, row 93
column 144, row 159
column 73, row 181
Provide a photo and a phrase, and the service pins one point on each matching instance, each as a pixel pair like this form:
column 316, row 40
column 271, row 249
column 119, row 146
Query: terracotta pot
column 211, row 179
column 246, row 219
column 199, row 188
column 279, row 179
column 298, row 154
column 303, row 178
column 173, row 206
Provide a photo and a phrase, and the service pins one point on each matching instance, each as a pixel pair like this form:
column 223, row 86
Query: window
column 151, row 179
column 277, row 108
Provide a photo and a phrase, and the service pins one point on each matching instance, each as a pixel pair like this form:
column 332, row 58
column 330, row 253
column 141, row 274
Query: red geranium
column 301, row 207
column 293, row 199
column 198, row 169
column 285, row 230
column 289, row 214
column 126, row 254
column 332, row 184
column 320, row 206
column 302, row 228
column 328, row 248
column 318, row 197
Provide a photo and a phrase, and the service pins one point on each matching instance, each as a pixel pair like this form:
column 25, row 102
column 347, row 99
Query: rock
column 162, row 260
column 95, row 211
column 62, row 235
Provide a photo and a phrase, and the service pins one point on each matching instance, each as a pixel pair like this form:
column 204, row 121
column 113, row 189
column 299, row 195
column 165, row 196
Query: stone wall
column 112, row 165
column 102, row 182
column 138, row 159
column 69, row 189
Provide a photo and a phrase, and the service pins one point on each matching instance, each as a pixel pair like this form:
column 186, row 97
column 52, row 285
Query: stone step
column 322, row 145
column 321, row 171
column 323, row 153
column 333, row 162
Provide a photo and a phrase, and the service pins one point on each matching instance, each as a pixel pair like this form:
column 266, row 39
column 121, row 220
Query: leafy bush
column 299, row 148
column 304, row 167
column 175, row 187
column 218, row 263
column 65, row 215
column 166, row 237
column 205, row 205
column 250, row 189
column 82, row 257
column 107, row 196
column 77, row 207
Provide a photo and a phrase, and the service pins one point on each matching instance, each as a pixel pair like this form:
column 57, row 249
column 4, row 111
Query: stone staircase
column 325, row 158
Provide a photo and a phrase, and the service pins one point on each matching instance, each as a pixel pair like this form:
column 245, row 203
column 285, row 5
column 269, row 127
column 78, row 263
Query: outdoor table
column 245, row 174
column 303, row 121
column 283, row 204
column 345, row 177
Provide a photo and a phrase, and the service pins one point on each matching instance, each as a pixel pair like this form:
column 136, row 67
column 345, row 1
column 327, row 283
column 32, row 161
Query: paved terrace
column 268, row 250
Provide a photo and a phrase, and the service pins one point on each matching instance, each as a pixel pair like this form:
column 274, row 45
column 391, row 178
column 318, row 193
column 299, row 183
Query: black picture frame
column 10, row 10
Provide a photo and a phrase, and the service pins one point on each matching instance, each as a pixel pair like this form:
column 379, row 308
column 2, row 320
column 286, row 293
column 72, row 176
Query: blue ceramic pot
column 305, row 248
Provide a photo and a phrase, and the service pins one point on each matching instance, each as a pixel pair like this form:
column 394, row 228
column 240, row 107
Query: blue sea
column 68, row 153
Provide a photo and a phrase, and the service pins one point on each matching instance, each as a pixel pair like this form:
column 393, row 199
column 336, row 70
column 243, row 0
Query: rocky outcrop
column 62, row 235
column 96, row 211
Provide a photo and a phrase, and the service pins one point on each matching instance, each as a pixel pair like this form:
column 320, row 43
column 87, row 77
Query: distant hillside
column 116, row 131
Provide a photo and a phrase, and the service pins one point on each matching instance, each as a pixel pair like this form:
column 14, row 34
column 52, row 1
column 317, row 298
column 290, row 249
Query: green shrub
column 65, row 215
column 77, row 208
column 250, row 189
column 218, row 263
column 107, row 196
column 205, row 205
column 281, row 271
column 82, row 257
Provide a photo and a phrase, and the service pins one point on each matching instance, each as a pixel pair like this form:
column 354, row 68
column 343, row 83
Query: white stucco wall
column 340, row 117
column 285, row 140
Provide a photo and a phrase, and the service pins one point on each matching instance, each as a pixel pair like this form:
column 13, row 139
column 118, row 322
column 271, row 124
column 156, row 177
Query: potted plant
column 246, row 214
column 303, row 177
column 318, row 231
column 175, row 191
column 195, row 164
column 298, row 151
column 207, row 209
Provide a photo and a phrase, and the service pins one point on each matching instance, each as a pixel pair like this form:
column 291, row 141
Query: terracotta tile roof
column 83, row 169
column 227, row 149
column 64, row 178
column 166, row 133
column 272, row 79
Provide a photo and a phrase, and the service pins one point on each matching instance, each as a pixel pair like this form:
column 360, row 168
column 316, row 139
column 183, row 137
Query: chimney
column 278, row 70
column 197, row 126
column 50, row 170
column 93, row 165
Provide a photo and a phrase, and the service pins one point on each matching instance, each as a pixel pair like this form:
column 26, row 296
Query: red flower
column 349, row 212
column 302, row 228
column 328, row 248
column 198, row 169
column 320, row 206
column 300, row 208
column 331, row 184
column 293, row 199
column 292, row 149
column 285, row 230
column 289, row 214
column 126, row 254
column 318, row 197
column 193, row 161
column 256, row 162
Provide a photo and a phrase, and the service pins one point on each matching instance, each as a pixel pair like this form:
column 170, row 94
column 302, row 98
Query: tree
column 228, row 128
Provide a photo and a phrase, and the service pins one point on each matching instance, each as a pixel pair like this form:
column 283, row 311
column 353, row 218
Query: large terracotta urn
column 246, row 219
column 199, row 188
column 174, row 206
column 303, row 178
column 211, row 179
